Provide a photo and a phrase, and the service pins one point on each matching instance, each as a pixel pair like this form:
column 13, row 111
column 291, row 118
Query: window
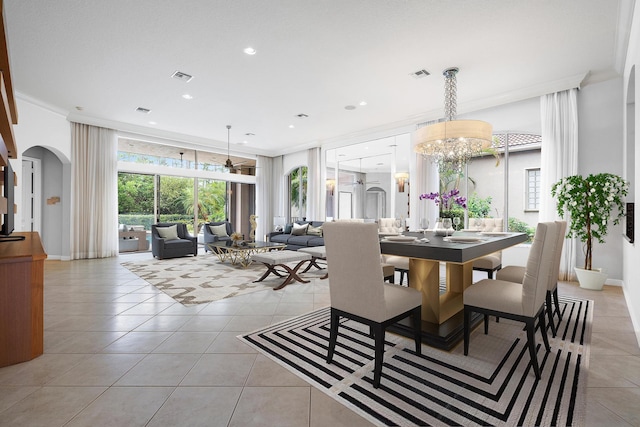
column 532, row 197
column 298, row 193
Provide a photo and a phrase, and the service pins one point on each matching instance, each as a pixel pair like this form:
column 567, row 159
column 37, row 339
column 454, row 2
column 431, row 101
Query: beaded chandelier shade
column 452, row 143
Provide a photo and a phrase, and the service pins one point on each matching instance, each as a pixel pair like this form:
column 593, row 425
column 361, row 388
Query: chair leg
column 416, row 316
column 531, row 340
column 333, row 335
column 543, row 329
column 549, row 310
column 556, row 303
column 467, row 315
column 379, row 354
column 486, row 324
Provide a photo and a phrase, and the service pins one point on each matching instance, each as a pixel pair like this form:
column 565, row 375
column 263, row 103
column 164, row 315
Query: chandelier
column 452, row 143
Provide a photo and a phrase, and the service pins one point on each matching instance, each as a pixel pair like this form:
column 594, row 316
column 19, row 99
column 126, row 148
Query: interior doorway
column 31, row 192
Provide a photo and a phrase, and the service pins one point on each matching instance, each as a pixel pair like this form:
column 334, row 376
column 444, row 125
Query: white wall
column 600, row 146
column 40, row 127
column 631, row 252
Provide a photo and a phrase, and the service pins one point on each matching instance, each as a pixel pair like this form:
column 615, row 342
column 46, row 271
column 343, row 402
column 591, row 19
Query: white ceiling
column 313, row 57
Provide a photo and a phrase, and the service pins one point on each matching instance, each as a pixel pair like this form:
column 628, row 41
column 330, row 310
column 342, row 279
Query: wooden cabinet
column 21, row 299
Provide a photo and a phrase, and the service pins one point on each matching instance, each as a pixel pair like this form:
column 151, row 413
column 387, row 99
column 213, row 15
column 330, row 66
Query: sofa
column 300, row 234
column 216, row 231
column 171, row 240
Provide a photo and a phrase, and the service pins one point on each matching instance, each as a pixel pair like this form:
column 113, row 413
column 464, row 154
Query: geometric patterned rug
column 202, row 279
column 493, row 385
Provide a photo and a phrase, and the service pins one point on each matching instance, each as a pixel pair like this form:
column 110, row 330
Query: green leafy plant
column 590, row 203
column 519, row 226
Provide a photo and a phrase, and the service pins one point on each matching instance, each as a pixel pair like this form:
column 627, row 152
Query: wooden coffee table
column 241, row 254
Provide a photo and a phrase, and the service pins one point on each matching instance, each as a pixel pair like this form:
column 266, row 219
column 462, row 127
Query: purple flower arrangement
column 446, row 200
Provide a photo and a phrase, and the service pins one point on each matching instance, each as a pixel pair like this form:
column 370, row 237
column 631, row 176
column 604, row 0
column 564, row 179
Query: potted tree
column 590, row 203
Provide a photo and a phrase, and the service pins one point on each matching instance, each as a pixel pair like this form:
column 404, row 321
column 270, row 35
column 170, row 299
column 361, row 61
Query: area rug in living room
column 202, row 279
column 493, row 385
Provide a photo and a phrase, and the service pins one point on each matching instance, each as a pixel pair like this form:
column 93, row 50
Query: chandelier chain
column 450, row 93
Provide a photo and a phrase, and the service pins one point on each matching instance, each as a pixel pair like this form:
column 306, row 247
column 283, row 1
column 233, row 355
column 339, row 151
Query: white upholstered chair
column 400, row 263
column 515, row 273
column 358, row 291
column 523, row 302
column 493, row 261
column 388, row 226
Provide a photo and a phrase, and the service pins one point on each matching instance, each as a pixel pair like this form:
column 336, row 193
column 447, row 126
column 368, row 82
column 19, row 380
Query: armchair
column 170, row 240
column 213, row 232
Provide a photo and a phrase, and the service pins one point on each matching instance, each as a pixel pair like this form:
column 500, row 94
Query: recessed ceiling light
column 291, row 126
column 79, row 108
column 350, row 107
column 153, row 123
column 187, row 96
column 363, row 102
column 243, row 142
column 249, row 51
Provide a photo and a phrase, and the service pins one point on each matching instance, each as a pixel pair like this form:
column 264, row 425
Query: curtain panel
column 559, row 158
column 315, row 212
column 266, row 198
column 94, row 192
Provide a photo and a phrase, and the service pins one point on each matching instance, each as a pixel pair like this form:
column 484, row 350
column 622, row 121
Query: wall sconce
column 331, row 186
column 401, row 178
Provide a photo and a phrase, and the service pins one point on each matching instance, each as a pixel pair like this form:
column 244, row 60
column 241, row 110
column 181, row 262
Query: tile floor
column 120, row 353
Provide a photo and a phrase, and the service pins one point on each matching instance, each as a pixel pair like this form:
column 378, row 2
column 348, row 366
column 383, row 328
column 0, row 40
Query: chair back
column 555, row 270
column 356, row 284
column 486, row 224
column 388, row 225
column 539, row 265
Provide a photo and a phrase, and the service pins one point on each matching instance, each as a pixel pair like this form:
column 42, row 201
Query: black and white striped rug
column 493, row 385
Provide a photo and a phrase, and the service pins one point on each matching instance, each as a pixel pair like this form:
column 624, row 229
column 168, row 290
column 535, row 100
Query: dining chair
column 522, row 302
column 492, row 262
column 358, row 291
column 515, row 273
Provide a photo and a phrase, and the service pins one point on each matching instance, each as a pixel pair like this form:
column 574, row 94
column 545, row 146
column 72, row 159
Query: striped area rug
column 493, row 385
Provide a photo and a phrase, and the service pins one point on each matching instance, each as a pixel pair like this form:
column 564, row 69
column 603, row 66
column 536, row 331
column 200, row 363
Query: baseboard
column 58, row 258
column 614, row 282
column 632, row 314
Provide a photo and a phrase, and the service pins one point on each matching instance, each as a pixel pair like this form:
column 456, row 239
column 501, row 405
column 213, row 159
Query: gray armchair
column 211, row 234
column 171, row 243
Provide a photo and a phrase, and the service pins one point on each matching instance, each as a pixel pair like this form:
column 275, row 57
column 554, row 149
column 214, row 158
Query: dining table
column 442, row 306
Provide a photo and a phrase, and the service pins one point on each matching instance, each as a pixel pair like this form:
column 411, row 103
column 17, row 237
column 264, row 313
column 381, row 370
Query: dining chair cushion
column 498, row 295
column 488, row 262
column 399, row 262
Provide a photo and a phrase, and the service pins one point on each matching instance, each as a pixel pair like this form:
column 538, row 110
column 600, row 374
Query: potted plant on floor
column 590, row 203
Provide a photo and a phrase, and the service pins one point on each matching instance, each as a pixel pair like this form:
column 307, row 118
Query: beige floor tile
column 138, row 342
column 86, row 342
column 258, row 309
column 599, row 416
column 98, row 370
column 266, row 372
column 40, row 370
column 206, row 324
column 49, row 406
column 122, row 406
column 294, row 309
column 272, row 406
column 614, row 371
column 621, row 401
column 151, row 308
column 161, row 322
column 159, row 370
column 228, row 342
column 10, row 395
column 612, row 343
column 326, row 411
column 124, row 323
column 198, row 406
column 246, row 323
column 187, row 342
column 220, row 370
column 178, row 309
column 227, row 307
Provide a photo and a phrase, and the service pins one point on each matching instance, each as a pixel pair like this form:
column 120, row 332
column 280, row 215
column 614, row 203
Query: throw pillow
column 219, row 230
column 314, row 231
column 299, row 230
column 288, row 228
column 168, row 233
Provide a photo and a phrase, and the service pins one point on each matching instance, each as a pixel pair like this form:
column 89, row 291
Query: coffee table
column 241, row 254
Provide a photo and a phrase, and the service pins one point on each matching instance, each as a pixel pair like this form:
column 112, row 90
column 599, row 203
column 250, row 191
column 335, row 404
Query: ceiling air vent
column 182, row 76
column 143, row 110
column 302, row 116
column 420, row 74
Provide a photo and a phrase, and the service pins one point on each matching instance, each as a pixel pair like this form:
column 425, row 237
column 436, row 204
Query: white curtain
column 559, row 158
column 94, row 194
column 315, row 212
column 427, row 180
column 265, row 200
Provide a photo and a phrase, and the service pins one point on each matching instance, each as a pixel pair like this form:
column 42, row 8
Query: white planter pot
column 591, row 279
